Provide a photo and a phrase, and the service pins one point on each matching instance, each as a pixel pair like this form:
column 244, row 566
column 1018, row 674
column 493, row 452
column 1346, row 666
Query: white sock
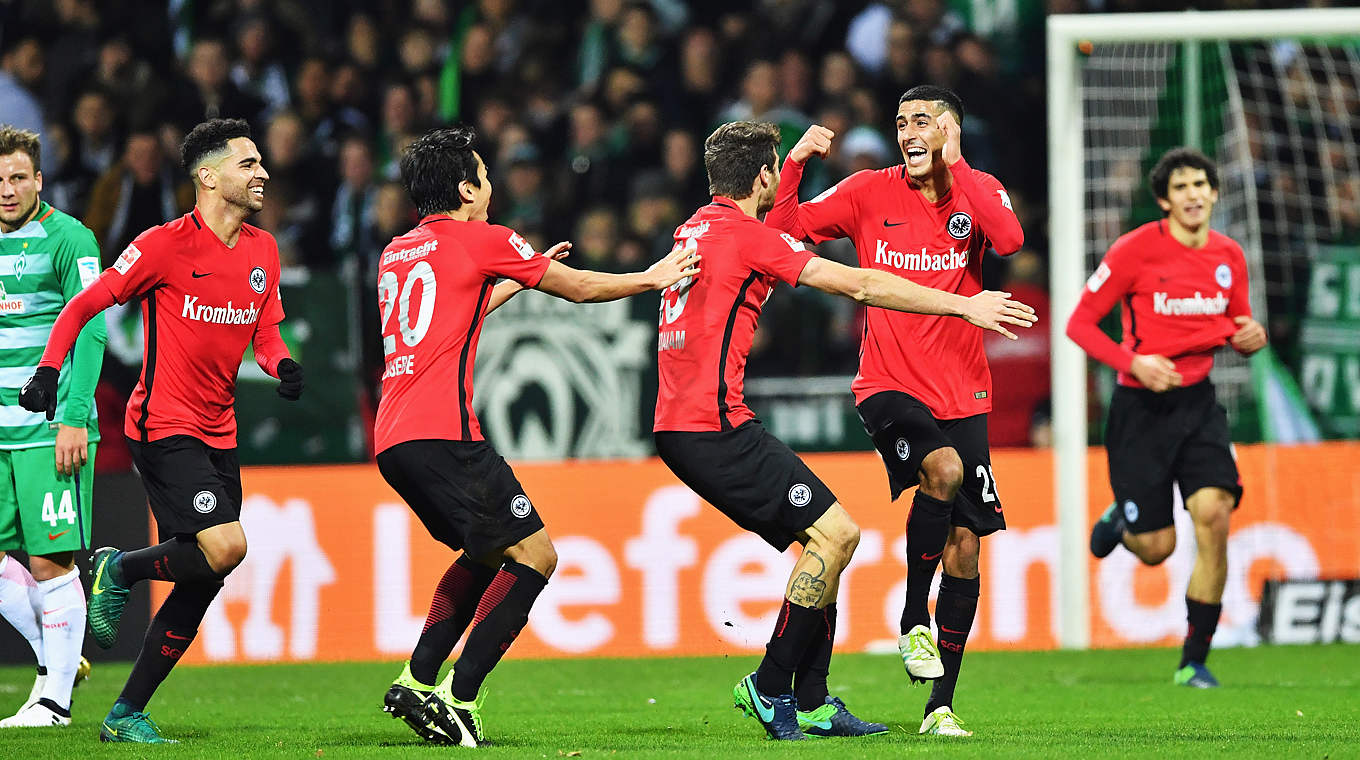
column 17, row 607
column 63, row 634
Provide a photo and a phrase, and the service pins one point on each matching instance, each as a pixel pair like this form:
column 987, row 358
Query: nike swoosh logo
column 98, row 588
column 929, row 557
column 170, row 635
column 55, row 536
column 950, row 630
column 112, row 731
column 823, row 724
column 765, row 709
column 52, row 612
column 887, row 223
column 196, row 275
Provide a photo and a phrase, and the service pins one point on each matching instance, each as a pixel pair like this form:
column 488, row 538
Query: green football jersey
column 44, row 264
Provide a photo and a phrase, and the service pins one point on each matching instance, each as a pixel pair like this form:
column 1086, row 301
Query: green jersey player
column 46, row 468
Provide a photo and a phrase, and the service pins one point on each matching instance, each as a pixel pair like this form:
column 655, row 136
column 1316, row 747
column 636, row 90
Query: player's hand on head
column 816, row 141
column 1156, row 372
column 1250, row 336
column 39, row 394
column 680, row 263
column 993, row 310
column 559, row 251
column 953, row 138
column 290, row 380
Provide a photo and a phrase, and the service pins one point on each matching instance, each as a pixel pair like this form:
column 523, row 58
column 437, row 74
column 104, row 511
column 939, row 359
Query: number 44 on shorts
column 52, row 512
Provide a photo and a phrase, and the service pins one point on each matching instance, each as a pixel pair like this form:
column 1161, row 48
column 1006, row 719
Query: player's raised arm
column 990, row 310
column 992, row 206
column 504, row 291
column 826, row 217
column 581, row 286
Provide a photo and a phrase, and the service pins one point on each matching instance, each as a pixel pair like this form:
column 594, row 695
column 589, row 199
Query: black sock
column 451, row 609
column 793, row 632
column 1203, row 621
column 172, row 630
column 175, row 560
column 927, row 531
column 809, row 681
column 501, row 614
column 954, row 612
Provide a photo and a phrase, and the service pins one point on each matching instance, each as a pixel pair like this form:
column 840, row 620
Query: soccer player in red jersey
column 436, row 284
column 923, row 389
column 710, row 439
column 1184, row 293
column 208, row 283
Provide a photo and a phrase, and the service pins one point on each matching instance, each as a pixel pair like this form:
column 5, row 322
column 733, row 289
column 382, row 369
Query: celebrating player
column 1184, row 290
column 209, row 288
column 710, row 439
column 923, row 389
column 436, row 284
column 48, row 257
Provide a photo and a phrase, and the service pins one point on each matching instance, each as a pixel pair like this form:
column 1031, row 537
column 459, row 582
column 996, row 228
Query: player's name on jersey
column 671, row 339
column 400, row 365
column 219, row 315
column 1191, row 306
column 920, row 262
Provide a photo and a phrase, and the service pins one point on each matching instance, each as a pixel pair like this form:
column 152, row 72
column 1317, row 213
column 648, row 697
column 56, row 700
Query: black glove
column 39, row 394
column 290, row 379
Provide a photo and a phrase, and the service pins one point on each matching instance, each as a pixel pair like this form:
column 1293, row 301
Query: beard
column 766, row 201
column 245, row 200
column 23, row 213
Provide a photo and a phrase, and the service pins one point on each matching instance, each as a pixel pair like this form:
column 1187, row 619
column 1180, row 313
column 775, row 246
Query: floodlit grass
column 1280, row 702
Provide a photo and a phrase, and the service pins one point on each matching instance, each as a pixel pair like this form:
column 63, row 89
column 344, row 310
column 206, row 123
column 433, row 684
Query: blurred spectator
column 590, row 176
column 686, row 179
column 141, row 191
column 255, row 73
column 130, row 82
column 352, row 220
column 71, row 55
column 208, row 92
column 697, row 97
column 522, row 199
column 297, row 180
column 21, row 71
column 595, row 240
column 93, row 145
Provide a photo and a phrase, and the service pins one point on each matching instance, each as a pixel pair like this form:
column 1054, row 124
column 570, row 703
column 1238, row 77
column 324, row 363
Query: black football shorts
column 1156, row 441
column 191, row 486
column 463, row 492
column 904, row 431
column 750, row 476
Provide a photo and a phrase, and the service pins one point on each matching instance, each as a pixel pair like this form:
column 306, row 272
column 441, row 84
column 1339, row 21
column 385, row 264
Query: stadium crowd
column 591, row 114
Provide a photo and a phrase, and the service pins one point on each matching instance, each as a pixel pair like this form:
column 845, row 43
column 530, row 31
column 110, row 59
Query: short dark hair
column 16, row 140
column 209, row 137
column 1159, row 179
column 434, row 165
column 929, row 92
column 735, row 153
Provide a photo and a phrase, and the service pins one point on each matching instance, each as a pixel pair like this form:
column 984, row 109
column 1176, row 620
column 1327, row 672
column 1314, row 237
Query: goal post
column 1178, row 37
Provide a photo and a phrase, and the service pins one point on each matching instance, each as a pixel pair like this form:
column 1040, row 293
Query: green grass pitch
column 1278, row 702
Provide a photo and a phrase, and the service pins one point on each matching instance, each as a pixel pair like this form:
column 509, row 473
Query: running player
column 208, row 283
column 923, row 388
column 1184, row 292
column 46, row 258
column 436, row 284
column 710, row 439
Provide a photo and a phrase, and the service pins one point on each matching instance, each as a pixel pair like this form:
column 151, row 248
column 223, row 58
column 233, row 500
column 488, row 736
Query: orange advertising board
column 339, row 569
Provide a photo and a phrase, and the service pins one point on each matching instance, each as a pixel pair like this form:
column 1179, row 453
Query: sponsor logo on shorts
column 205, row 502
column 903, row 449
column 959, row 225
column 520, row 506
column 1130, row 511
column 1223, row 276
column 258, row 279
column 800, row 495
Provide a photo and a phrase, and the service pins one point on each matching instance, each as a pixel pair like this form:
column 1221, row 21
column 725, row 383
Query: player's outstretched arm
column 506, row 290
column 39, row 394
column 579, row 286
column 990, row 310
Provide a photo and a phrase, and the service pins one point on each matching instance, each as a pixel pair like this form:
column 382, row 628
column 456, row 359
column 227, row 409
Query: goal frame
column 1067, row 244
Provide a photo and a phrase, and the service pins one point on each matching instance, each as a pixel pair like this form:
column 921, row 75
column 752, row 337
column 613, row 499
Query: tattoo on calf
column 808, row 587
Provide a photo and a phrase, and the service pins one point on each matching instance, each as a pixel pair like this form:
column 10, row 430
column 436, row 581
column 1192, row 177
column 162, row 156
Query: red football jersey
column 707, row 323
column 201, row 305
column 938, row 360
column 434, row 283
column 1177, row 301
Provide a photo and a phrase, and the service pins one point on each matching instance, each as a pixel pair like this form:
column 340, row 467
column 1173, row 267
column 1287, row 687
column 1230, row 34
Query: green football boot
column 460, row 721
column 832, row 718
column 134, row 727
column 405, row 699
column 107, row 598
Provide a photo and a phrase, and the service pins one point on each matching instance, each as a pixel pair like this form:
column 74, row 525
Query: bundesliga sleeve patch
column 1005, row 199
column 1098, row 277
column 88, row 269
column 824, row 194
column 126, row 259
column 521, row 245
column 793, row 242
